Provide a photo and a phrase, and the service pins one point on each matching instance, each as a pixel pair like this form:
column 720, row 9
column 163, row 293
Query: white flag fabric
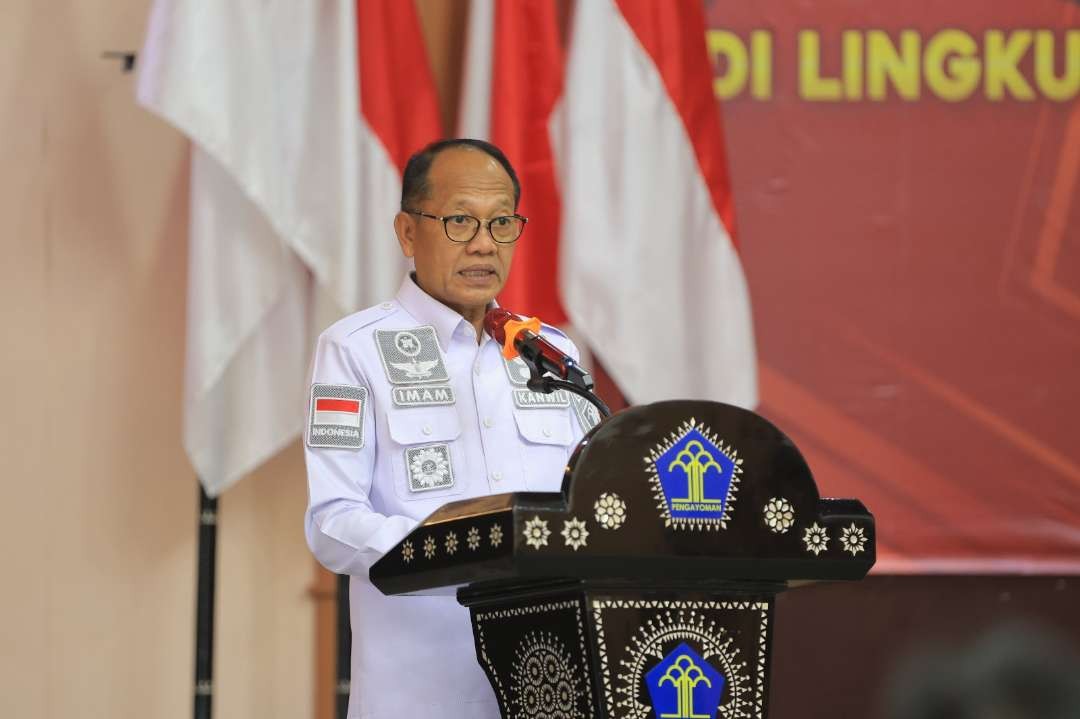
column 292, row 200
column 474, row 107
column 649, row 272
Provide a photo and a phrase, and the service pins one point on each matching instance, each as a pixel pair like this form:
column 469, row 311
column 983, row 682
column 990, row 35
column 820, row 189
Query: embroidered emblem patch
column 423, row 396
column 429, row 467
column 684, row 685
column 694, row 477
column 411, row 356
column 587, row 413
column 517, row 371
column 336, row 416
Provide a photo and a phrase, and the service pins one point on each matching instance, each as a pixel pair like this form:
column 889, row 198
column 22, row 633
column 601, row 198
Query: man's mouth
column 478, row 272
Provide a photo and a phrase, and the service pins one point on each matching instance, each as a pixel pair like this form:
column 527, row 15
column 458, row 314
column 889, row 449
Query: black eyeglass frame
column 480, row 225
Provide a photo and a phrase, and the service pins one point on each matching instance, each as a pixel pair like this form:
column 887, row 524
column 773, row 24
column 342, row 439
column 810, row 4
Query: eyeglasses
column 463, row 228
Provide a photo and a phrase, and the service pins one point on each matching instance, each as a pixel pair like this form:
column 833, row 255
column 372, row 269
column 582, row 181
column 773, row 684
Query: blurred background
column 899, row 181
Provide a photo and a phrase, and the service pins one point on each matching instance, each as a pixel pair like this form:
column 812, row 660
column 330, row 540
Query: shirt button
column 497, row 476
column 476, row 369
column 426, row 429
column 546, row 432
column 386, row 305
column 488, row 422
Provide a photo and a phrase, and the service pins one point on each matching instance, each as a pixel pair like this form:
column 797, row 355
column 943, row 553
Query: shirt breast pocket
column 546, row 443
column 428, row 461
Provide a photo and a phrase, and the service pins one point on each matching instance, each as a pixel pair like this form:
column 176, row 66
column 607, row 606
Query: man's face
column 462, row 275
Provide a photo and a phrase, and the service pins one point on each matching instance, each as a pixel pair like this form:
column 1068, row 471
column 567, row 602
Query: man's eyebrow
column 463, row 202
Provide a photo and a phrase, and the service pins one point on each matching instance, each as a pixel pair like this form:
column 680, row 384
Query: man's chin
column 472, row 298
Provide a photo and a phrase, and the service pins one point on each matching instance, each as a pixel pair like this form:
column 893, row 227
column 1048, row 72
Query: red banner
column 905, row 182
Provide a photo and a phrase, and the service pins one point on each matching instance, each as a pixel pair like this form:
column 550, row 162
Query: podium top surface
column 672, row 493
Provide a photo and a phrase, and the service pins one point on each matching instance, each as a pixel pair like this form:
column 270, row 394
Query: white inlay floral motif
column 544, row 682
column 574, row 533
column 407, row 552
column 816, row 538
column 451, row 543
column 473, row 538
column 610, row 510
column 779, row 515
column 429, row 547
column 853, row 540
column 536, row 532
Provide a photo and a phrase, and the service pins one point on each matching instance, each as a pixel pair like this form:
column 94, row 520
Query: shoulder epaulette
column 358, row 320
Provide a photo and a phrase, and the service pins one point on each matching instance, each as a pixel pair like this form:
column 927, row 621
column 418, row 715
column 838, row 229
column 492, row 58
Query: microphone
column 522, row 337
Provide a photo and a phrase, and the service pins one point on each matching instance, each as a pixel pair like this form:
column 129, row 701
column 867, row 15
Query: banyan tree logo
column 695, row 477
column 681, row 663
column 684, row 686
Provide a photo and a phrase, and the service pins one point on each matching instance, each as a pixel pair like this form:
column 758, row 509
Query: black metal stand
column 204, row 623
column 344, row 649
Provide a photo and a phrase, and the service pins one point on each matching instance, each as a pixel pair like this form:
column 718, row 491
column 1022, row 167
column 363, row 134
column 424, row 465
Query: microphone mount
column 546, row 384
column 550, row 368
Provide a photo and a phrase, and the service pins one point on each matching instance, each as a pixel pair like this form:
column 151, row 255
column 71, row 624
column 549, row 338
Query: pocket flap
column 422, row 425
column 544, row 426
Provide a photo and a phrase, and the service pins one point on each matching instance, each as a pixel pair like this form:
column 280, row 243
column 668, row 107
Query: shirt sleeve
column 343, row 530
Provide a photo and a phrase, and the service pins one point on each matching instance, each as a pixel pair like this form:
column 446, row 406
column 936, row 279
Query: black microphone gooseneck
column 548, row 384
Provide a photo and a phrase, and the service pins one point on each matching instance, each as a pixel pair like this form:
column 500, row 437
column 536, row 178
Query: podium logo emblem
column 684, row 686
column 682, row 662
column 695, row 477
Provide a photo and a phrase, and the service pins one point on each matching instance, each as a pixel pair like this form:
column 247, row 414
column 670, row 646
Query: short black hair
column 414, row 181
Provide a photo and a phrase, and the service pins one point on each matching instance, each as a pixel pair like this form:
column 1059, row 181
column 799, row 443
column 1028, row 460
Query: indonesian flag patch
column 337, row 416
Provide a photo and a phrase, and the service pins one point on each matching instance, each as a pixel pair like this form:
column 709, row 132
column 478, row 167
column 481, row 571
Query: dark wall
column 835, row 645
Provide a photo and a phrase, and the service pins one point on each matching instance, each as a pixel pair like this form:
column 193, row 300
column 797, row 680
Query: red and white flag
column 650, row 272
column 300, row 117
column 343, row 412
column 513, row 75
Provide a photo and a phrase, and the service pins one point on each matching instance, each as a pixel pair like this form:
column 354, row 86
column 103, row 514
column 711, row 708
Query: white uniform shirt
column 414, row 656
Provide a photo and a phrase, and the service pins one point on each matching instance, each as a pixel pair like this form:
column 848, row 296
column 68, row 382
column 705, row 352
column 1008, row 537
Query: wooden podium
column 645, row 588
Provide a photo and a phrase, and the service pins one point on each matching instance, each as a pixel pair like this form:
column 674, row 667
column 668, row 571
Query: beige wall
column 99, row 516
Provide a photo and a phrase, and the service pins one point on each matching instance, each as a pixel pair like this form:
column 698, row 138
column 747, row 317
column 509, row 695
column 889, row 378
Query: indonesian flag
column 650, row 273
column 301, row 116
column 344, row 412
column 513, row 74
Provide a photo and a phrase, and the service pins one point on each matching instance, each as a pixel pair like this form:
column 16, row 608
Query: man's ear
column 405, row 229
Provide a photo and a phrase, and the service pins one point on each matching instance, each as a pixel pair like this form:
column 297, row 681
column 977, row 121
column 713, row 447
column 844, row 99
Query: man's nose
column 482, row 242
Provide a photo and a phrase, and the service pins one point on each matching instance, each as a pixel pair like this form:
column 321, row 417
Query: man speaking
column 413, row 406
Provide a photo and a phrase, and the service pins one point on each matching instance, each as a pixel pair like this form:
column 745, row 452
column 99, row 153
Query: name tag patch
column 423, row 396
column 337, row 416
column 411, row 356
column 429, row 467
column 527, row 399
column 518, row 373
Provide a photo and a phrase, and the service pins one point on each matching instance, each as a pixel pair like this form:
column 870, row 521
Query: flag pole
column 204, row 622
column 344, row 649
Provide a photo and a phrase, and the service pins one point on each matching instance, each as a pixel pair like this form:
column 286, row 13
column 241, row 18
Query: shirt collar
column 429, row 311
